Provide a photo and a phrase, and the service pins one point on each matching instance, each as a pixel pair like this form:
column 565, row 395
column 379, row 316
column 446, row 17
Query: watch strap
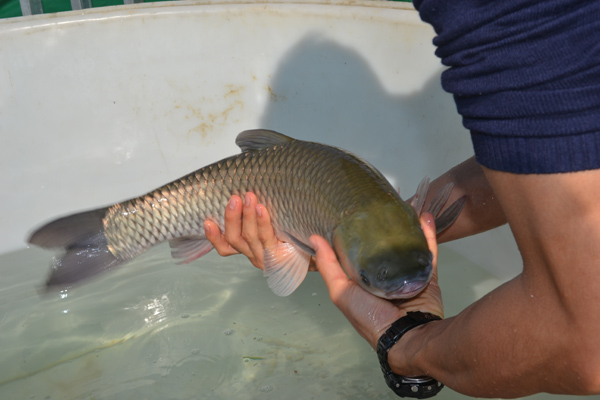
column 415, row 387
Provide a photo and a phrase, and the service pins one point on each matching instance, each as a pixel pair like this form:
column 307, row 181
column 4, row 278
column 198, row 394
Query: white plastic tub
column 106, row 104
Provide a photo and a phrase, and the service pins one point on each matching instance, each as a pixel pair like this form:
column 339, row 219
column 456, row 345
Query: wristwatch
column 421, row 387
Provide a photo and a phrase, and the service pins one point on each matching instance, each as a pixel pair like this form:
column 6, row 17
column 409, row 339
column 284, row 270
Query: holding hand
column 249, row 238
column 248, row 231
column 369, row 314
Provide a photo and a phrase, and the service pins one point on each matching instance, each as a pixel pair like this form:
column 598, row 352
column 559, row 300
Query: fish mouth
column 412, row 286
column 408, row 290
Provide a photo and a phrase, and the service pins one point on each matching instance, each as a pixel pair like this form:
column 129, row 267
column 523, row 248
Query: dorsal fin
column 260, row 139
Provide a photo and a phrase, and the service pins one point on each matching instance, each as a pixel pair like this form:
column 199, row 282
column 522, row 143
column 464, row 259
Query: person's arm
column 538, row 332
column 535, row 333
column 481, row 212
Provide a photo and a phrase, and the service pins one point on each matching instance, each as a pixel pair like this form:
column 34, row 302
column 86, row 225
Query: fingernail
column 232, row 203
column 206, row 229
column 259, row 211
column 314, row 244
column 247, row 201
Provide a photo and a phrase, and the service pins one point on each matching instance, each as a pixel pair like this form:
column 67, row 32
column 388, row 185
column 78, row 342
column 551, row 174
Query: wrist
column 406, row 385
column 402, row 357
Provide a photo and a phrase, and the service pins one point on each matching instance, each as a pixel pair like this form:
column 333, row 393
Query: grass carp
column 308, row 188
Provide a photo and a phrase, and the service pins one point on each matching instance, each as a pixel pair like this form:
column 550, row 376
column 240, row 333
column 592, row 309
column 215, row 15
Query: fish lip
column 411, row 288
column 408, row 290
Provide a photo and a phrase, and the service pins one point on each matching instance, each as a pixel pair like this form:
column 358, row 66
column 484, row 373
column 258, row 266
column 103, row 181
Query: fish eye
column 364, row 278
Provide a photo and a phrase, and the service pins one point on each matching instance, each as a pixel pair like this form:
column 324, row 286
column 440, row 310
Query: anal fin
column 187, row 249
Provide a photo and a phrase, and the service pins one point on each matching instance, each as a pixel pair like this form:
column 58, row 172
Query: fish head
column 385, row 251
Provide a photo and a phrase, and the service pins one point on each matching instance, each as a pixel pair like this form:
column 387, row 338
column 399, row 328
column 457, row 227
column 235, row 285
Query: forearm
column 508, row 344
column 538, row 332
column 481, row 211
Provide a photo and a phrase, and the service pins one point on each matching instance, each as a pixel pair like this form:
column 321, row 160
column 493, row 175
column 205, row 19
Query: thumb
column 428, row 226
column 327, row 263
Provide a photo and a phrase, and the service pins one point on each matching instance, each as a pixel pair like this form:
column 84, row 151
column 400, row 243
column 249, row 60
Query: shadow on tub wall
column 326, row 92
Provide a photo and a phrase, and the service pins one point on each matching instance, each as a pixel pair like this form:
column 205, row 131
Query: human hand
column 370, row 315
column 248, row 230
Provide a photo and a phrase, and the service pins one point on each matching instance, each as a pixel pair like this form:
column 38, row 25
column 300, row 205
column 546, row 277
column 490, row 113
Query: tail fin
column 86, row 250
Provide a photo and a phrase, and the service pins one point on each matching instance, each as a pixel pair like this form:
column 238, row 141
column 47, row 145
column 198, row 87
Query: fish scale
column 285, row 178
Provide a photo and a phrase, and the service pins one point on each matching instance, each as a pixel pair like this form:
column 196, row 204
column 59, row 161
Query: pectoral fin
column 449, row 215
column 446, row 218
column 285, row 266
column 189, row 248
column 440, row 198
column 418, row 199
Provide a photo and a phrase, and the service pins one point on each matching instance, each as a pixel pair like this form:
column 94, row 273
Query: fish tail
column 85, row 247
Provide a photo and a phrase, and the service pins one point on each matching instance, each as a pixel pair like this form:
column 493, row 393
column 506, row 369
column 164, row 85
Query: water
column 207, row 330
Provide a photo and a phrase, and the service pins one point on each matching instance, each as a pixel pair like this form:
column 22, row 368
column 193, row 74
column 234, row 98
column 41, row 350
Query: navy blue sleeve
column 525, row 76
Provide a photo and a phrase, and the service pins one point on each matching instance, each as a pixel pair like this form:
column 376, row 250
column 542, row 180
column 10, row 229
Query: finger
column 434, row 295
column 233, row 226
column 266, row 234
column 369, row 314
column 250, row 229
column 214, row 235
column 327, row 263
column 428, row 226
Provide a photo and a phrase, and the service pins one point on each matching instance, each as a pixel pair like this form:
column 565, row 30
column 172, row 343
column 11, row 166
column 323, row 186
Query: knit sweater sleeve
column 525, row 76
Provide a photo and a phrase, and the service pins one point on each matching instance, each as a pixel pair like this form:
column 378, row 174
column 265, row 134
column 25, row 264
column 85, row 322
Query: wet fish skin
column 308, row 188
column 282, row 177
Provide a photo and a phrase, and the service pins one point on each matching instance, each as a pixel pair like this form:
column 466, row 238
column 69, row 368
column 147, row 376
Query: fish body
column 308, row 188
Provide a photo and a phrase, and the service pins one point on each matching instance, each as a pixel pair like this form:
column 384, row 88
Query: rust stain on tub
column 273, row 96
column 232, row 101
column 233, row 90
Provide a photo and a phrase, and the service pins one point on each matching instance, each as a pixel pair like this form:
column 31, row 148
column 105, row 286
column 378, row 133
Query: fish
column 308, row 188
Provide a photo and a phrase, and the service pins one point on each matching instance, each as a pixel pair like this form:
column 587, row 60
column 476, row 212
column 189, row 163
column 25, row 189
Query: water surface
column 207, row 330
